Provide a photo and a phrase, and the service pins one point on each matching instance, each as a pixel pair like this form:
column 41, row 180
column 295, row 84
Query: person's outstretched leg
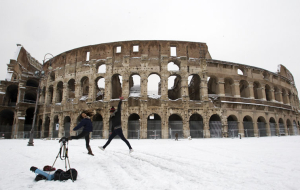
column 87, row 144
column 82, row 134
column 121, row 135
column 110, row 139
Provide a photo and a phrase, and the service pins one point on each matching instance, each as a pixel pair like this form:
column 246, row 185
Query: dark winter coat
column 115, row 118
column 86, row 123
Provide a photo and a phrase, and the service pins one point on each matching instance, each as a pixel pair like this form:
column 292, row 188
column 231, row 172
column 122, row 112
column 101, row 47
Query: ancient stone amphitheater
column 169, row 87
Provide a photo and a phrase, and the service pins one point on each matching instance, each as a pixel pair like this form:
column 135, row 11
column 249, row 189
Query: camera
column 63, row 140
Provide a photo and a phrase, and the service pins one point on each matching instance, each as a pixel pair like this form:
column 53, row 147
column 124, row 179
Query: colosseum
column 169, row 87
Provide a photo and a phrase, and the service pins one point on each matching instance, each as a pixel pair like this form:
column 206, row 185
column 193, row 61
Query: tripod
column 63, row 153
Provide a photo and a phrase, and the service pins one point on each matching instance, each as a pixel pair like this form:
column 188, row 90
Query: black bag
column 62, row 175
column 40, row 177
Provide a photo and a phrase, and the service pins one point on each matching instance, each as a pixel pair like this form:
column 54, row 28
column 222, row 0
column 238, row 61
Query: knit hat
column 112, row 109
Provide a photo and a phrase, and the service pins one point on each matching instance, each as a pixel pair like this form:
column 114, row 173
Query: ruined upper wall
column 150, row 50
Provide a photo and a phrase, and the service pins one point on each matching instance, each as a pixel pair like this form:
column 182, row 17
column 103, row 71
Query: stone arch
column 32, row 83
column 101, row 68
column 257, row 90
column 194, row 87
column 47, row 127
column 261, row 125
column 272, row 123
column 196, row 126
column 213, row 85
column 173, row 66
column 134, row 85
column 84, row 86
column 97, row 126
column 174, row 87
column 43, row 95
column 268, row 92
column 229, row 86
column 248, row 126
column 266, row 75
column 30, row 96
column 52, row 76
column 233, row 128
column 154, row 126
column 6, row 123
column 215, row 126
column 295, row 128
column 284, row 96
column 67, row 124
column 175, row 126
column 100, row 88
column 71, row 88
column 11, row 96
column 28, row 121
column 50, row 94
column 154, row 85
column 244, row 89
column 55, row 129
column 59, row 91
column 281, row 126
column 133, row 126
column 116, row 86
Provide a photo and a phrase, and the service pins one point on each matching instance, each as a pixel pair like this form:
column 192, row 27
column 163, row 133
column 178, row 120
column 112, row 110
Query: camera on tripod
column 63, row 140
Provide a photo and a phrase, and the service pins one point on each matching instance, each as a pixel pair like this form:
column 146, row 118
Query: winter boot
column 90, row 151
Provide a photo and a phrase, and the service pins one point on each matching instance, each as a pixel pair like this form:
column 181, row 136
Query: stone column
column 54, row 98
column 263, row 93
column 203, row 88
column 237, row 93
column 272, row 94
column 251, row 92
column 61, row 128
column 221, row 87
column 51, row 126
column 65, row 93
column 144, row 87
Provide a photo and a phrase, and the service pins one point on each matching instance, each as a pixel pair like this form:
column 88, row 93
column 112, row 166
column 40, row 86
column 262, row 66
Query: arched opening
column 261, row 125
column 248, row 126
column 134, row 126
column 116, row 86
column 233, row 129
column 46, row 129
column 97, row 126
column 67, row 123
column 244, row 89
column 11, row 96
column 6, row 123
column 134, row 85
column 272, row 126
column 71, row 89
column 215, row 126
column 42, row 95
column 268, row 93
column 100, row 88
column 257, row 90
column 196, row 126
column 154, row 86
column 55, row 128
column 240, row 72
column 30, row 96
column 28, row 122
column 174, row 87
column 102, row 68
column 194, row 82
column 295, row 128
column 281, row 127
column 50, row 94
column 85, row 86
column 153, row 126
column 32, row 83
column 175, row 126
column 229, row 87
column 59, row 92
column 172, row 67
column 212, row 85
column 52, row 76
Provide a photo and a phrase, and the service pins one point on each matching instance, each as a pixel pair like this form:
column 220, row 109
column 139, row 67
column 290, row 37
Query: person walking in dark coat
column 87, row 125
column 116, row 128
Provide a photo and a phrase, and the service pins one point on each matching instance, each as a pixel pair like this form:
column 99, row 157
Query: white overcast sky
column 260, row 33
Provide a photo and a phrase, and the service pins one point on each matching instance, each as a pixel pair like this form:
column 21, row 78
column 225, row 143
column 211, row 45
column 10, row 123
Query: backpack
column 62, row 175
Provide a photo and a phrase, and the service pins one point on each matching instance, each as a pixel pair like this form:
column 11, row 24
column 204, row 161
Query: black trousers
column 86, row 135
column 115, row 133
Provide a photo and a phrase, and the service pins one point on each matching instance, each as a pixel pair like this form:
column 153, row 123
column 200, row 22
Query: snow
column 247, row 163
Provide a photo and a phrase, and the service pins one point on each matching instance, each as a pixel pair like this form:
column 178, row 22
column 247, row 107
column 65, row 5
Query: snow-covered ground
column 247, row 163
